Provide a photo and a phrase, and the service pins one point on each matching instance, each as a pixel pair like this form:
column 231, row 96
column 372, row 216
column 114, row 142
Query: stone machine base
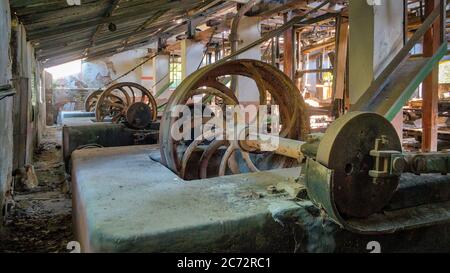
column 124, row 201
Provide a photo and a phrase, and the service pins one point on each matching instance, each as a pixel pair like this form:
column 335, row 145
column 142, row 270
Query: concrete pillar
column 147, row 79
column 376, row 35
column 191, row 56
column 161, row 75
column 248, row 31
column 147, row 71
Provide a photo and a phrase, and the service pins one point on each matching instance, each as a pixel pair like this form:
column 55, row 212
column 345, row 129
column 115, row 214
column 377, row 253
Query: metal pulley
column 193, row 159
column 126, row 101
column 346, row 149
column 340, row 163
column 356, row 170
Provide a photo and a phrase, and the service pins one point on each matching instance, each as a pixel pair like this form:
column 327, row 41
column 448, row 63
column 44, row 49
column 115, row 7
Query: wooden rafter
column 109, row 11
column 147, row 23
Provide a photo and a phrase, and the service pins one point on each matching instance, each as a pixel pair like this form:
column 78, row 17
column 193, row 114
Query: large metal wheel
column 207, row 82
column 114, row 102
column 91, row 100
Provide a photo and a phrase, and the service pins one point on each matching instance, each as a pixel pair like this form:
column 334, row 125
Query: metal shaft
column 421, row 163
column 282, row 146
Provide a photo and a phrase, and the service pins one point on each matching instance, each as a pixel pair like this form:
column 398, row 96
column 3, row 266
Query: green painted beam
column 414, row 84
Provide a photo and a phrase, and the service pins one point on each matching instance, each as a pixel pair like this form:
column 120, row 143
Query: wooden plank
column 122, row 15
column 65, row 13
column 24, row 3
column 54, row 54
column 431, row 43
column 20, row 119
column 54, row 5
column 121, row 21
column 109, row 11
column 84, row 44
column 314, row 47
column 72, row 37
column 341, row 59
column 147, row 23
column 288, row 54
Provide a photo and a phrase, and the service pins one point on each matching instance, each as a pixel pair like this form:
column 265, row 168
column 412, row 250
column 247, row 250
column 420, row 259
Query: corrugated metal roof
column 62, row 33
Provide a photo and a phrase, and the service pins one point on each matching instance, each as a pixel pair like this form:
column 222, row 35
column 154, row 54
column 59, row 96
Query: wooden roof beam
column 147, row 23
column 109, row 11
column 121, row 15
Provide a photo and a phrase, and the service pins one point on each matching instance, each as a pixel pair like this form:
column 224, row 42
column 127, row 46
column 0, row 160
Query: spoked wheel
column 200, row 158
column 91, row 100
column 115, row 101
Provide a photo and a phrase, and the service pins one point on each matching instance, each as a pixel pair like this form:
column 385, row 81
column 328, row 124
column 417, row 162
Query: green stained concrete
column 129, row 202
column 126, row 202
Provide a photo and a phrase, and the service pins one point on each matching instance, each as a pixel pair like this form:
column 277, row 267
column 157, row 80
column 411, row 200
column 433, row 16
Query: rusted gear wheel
column 200, row 158
column 91, row 100
column 115, row 101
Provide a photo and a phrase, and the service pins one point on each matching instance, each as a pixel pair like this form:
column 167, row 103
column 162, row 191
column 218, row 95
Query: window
column 175, row 71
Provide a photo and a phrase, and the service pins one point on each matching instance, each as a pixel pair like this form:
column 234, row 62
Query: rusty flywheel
column 201, row 158
column 91, row 100
column 117, row 100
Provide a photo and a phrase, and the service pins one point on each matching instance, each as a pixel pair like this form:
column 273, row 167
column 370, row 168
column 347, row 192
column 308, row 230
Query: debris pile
column 40, row 218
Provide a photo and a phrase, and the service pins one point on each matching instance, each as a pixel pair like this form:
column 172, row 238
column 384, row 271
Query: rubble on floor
column 40, row 219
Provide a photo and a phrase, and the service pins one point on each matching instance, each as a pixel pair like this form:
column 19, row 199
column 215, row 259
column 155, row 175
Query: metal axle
column 292, row 148
column 387, row 162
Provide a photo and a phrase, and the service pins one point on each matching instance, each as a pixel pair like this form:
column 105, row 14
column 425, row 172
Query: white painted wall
column 161, row 74
column 113, row 67
column 191, row 56
column 376, row 35
column 248, row 31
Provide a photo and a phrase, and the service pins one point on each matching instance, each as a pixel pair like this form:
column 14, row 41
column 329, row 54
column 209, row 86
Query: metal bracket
column 388, row 163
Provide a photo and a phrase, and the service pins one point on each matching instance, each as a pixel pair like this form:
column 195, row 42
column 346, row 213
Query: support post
column 431, row 43
column 376, row 36
column 248, row 31
column 341, row 58
column 161, row 75
column 288, row 54
column 191, row 56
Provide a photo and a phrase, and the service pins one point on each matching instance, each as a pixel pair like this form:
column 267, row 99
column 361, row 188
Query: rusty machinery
column 123, row 102
column 91, row 100
column 132, row 110
column 182, row 156
column 352, row 171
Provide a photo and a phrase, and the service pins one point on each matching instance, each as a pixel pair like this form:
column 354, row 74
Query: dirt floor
column 40, row 219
